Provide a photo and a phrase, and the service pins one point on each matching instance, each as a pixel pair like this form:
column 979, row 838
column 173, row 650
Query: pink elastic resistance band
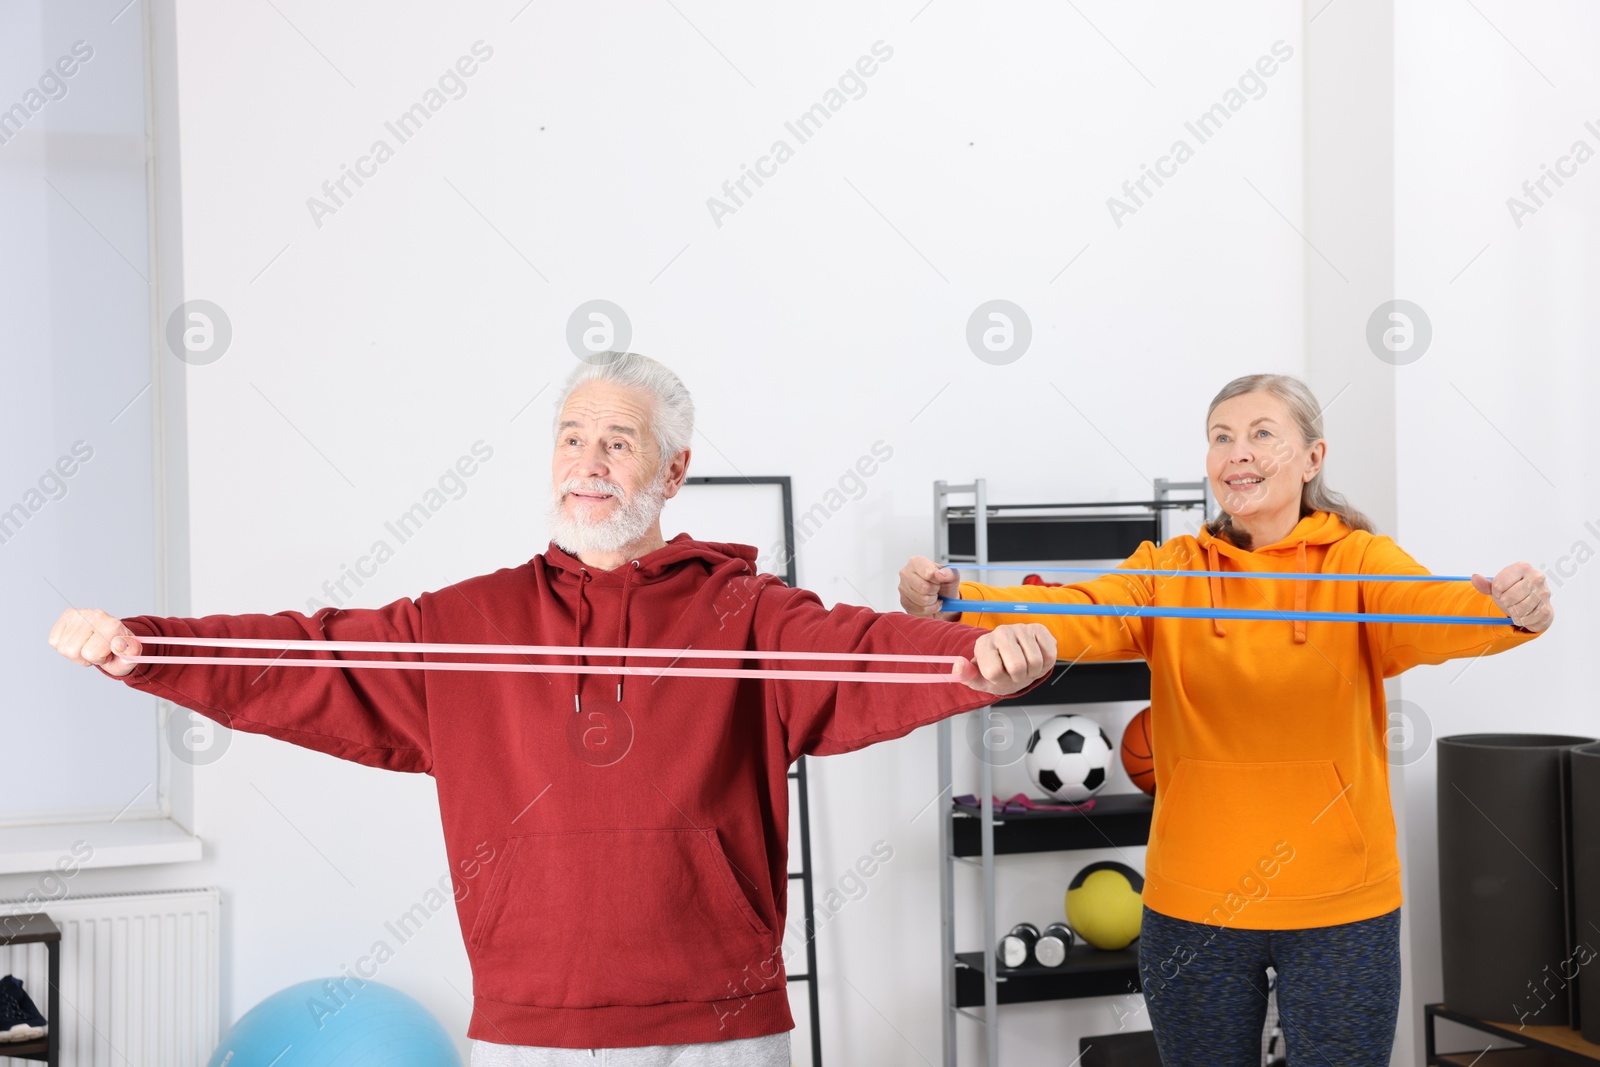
column 430, row 648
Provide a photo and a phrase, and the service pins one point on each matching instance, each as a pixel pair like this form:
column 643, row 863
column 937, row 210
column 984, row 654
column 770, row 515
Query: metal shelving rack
column 982, row 533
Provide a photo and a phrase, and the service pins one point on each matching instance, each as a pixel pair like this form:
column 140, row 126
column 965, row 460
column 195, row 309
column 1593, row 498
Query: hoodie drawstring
column 584, row 577
column 1300, row 590
column 577, row 640
column 622, row 621
column 1216, row 588
column 1300, row 594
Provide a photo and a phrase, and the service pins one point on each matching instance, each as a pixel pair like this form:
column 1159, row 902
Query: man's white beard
column 631, row 520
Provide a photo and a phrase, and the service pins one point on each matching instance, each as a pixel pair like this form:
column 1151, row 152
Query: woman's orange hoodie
column 1272, row 774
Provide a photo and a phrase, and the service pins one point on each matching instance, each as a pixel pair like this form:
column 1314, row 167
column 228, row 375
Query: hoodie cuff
column 141, row 671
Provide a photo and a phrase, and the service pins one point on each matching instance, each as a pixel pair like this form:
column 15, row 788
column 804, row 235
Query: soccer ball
column 1069, row 757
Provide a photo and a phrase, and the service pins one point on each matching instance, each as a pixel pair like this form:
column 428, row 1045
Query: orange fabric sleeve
column 1082, row 638
column 1406, row 645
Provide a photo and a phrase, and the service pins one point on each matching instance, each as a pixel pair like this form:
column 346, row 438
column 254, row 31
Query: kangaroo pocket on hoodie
column 1258, row 829
column 598, row 918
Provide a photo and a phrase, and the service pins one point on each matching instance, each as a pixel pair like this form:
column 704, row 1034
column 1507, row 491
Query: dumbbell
column 1051, row 948
column 1016, row 948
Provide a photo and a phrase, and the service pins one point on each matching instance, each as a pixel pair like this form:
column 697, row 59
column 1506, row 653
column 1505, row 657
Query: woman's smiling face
column 1256, row 460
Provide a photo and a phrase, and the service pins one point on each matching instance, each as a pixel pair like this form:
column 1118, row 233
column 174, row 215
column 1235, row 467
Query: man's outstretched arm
column 375, row 717
column 827, row 719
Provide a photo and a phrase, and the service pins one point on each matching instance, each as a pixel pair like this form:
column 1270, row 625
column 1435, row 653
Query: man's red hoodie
column 635, row 830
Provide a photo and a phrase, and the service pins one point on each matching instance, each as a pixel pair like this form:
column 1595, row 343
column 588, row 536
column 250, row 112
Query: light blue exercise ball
column 337, row 1022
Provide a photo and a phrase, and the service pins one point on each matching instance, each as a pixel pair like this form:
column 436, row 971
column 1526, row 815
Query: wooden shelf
column 1557, row 1037
column 1117, row 820
column 26, row 1050
column 1510, row 1057
column 1544, row 1045
column 1087, row 972
column 28, row 929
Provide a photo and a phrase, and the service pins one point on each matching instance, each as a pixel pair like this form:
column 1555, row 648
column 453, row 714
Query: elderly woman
column 1273, row 842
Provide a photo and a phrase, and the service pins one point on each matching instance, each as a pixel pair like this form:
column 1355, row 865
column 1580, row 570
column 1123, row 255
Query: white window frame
column 169, row 836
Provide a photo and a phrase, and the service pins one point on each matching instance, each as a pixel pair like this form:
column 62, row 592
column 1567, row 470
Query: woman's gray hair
column 672, row 414
column 1307, row 415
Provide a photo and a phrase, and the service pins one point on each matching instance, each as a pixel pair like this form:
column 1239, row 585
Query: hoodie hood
column 651, row 567
column 1317, row 528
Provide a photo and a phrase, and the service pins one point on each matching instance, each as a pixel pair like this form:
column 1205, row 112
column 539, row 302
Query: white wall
column 1495, row 461
column 828, row 313
column 1350, row 269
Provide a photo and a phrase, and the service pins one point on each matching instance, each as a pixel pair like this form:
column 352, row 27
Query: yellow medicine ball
column 1104, row 906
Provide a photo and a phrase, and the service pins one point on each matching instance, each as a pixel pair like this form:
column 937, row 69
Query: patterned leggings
column 1206, row 991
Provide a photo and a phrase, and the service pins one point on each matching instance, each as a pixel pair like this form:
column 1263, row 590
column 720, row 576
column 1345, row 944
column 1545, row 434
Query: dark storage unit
column 1092, row 683
column 1088, row 972
column 1119, row 1050
column 37, row 928
column 1118, row 819
column 1040, row 537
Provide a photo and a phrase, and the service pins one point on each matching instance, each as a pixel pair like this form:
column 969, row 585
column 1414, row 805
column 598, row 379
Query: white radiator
column 139, row 975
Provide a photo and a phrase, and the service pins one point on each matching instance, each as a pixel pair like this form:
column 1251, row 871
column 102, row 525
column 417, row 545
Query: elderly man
column 638, row 907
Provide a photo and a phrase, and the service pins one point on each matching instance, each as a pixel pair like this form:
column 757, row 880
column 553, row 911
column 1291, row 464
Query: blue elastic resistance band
column 1281, row 575
column 1009, row 607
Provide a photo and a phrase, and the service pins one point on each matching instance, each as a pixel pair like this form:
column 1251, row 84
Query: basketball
column 1138, row 757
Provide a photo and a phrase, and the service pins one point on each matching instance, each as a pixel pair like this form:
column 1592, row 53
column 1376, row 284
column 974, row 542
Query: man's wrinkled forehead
column 612, row 411
column 621, row 429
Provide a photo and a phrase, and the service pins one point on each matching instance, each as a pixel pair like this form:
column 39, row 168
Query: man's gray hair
column 672, row 414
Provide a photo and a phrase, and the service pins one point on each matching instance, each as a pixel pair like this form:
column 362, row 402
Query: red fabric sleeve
column 375, row 717
column 825, row 719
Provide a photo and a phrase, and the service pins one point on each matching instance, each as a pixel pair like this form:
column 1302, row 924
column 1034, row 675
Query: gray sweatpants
column 769, row 1051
